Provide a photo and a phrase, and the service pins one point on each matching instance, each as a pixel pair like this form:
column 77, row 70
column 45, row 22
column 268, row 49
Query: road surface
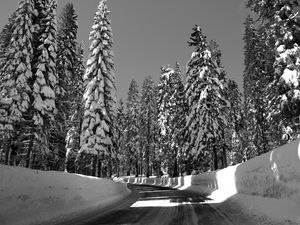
column 156, row 205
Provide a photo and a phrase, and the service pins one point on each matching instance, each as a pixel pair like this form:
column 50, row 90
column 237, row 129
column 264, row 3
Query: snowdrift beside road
column 32, row 196
column 272, row 178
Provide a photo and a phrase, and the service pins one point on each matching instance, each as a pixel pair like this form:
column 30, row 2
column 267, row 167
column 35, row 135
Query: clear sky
column 151, row 33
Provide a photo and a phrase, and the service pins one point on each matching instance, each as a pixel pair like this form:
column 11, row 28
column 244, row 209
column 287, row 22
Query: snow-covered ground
column 265, row 189
column 32, row 196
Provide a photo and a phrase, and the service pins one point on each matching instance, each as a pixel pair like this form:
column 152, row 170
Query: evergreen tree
column 99, row 95
column 120, row 137
column 235, row 134
column 254, row 90
column 206, row 102
column 148, row 118
column 45, row 77
column 74, row 125
column 66, row 64
column 280, row 19
column 16, row 71
column 133, row 128
column 170, row 116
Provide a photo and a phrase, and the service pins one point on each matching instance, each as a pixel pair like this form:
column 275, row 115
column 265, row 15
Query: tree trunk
column 94, row 165
column 175, row 168
column 29, row 150
column 147, row 161
column 136, row 168
column 215, row 157
column 224, row 157
column 109, row 167
column 7, row 151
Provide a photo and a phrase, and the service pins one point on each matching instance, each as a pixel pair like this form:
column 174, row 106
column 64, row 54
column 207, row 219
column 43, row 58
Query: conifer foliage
column 99, row 94
column 206, row 102
column 133, row 127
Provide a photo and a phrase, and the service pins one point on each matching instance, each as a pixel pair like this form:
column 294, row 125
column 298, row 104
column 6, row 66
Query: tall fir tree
column 16, row 72
column 170, row 116
column 99, row 95
column 45, row 77
column 66, row 65
column 206, row 103
column 120, row 138
column 255, row 94
column 75, row 120
column 148, row 118
column 133, row 128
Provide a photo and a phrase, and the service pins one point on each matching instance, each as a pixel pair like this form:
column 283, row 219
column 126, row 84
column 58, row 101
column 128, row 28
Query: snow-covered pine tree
column 120, row 138
column 45, row 76
column 206, row 103
column 281, row 20
column 67, row 49
column 235, row 134
column 216, row 55
column 133, row 128
column 181, row 110
column 171, row 116
column 148, row 118
column 16, row 71
column 165, row 116
column 74, row 125
column 66, row 60
column 255, row 81
column 100, row 92
column 5, row 38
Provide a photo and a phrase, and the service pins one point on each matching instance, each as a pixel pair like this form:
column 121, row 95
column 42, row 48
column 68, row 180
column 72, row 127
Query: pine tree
column 45, row 77
column 170, row 115
column 99, row 95
column 16, row 71
column 120, row 137
column 74, row 125
column 133, row 128
column 66, row 65
column 148, row 118
column 280, row 19
column 206, row 102
column 235, row 132
column 165, row 116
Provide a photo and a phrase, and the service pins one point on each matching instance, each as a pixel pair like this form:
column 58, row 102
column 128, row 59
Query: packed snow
column 33, row 196
column 265, row 189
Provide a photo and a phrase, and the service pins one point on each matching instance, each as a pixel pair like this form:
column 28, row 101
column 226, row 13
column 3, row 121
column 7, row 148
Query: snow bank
column 272, row 178
column 32, row 196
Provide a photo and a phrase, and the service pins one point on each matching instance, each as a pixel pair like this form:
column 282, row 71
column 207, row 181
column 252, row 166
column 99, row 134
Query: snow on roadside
column 265, row 188
column 33, row 196
column 257, row 210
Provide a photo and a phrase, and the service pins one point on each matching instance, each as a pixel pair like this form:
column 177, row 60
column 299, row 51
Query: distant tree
column 170, row 116
column 99, row 95
column 235, row 134
column 148, row 118
column 120, row 137
column 133, row 128
column 74, row 124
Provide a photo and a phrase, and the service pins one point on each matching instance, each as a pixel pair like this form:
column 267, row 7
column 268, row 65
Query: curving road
column 156, row 205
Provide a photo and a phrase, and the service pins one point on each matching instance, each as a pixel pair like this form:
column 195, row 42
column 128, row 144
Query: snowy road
column 156, row 205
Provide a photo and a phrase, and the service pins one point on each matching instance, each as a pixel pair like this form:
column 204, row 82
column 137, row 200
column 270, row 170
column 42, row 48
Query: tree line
column 59, row 112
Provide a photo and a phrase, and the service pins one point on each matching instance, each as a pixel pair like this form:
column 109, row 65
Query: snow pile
column 265, row 185
column 32, row 196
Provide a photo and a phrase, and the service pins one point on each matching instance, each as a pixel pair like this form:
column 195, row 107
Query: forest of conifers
column 60, row 111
